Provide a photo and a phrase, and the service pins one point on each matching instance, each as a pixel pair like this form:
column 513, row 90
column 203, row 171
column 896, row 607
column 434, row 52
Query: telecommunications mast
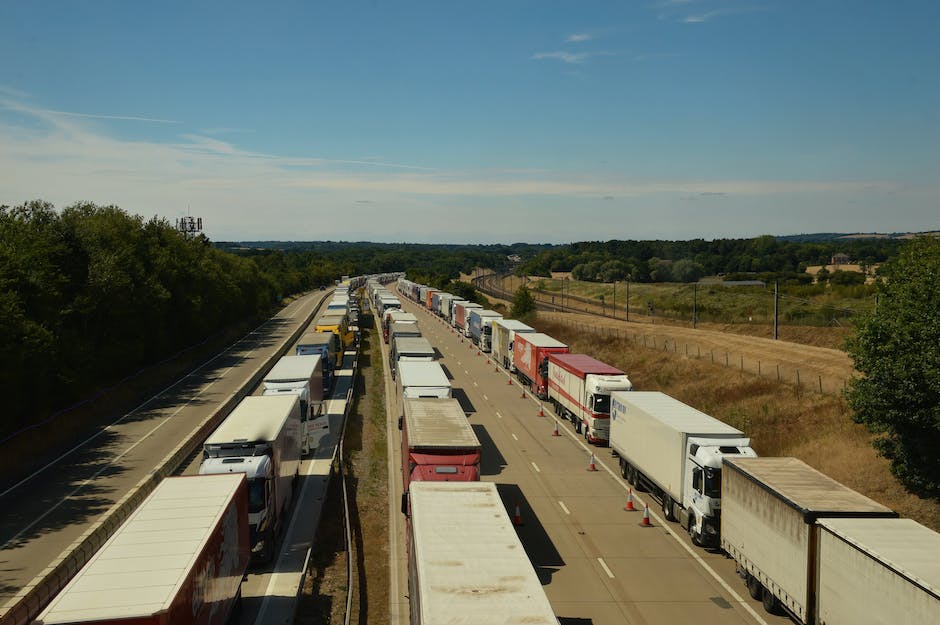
column 189, row 226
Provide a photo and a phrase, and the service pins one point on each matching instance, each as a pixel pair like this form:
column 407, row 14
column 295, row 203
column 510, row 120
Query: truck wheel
column 668, row 508
column 624, row 469
column 770, row 602
column 754, row 587
column 694, row 535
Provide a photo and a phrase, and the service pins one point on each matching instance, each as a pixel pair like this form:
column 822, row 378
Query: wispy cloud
column 127, row 118
column 699, row 18
column 578, row 37
column 223, row 131
column 573, row 58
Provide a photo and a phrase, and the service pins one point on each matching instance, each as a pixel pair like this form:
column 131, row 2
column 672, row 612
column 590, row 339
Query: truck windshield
column 255, row 495
column 601, row 404
column 712, row 482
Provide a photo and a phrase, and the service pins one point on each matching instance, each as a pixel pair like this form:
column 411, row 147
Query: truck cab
column 701, row 507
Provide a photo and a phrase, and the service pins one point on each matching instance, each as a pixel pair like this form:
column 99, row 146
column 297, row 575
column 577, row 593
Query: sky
column 478, row 122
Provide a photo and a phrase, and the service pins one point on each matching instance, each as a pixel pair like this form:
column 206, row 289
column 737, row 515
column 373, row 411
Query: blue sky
column 479, row 121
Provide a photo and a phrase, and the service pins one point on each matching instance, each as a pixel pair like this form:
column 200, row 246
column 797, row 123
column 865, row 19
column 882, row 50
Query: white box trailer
column 770, row 509
column 422, row 379
column 302, row 376
column 675, row 451
column 579, row 387
column 504, row 331
column 410, row 348
column 877, row 571
column 465, row 560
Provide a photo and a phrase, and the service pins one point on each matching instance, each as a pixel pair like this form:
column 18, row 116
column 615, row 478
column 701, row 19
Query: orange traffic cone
column 478, row 352
column 592, row 466
column 509, row 381
column 517, row 519
column 629, row 507
column 523, row 393
column 541, row 412
column 556, row 432
column 645, row 521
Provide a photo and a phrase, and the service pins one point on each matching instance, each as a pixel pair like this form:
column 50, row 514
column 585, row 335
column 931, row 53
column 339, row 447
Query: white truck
column 410, row 348
column 422, row 379
column 877, row 571
column 466, row 563
column 504, row 332
column 481, row 328
column 579, row 388
column 770, row 527
column 302, row 376
column 675, row 452
column 260, row 438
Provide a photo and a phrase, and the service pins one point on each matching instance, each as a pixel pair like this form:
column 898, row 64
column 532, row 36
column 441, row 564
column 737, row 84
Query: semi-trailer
column 444, row 303
column 410, row 348
column 260, row 438
column 579, row 387
column 530, row 356
column 465, row 560
column 422, row 379
column 438, row 443
column 481, row 328
column 401, row 329
column 178, row 559
column 393, row 315
column 504, row 332
column 301, row 376
column 877, row 571
column 771, row 509
column 323, row 344
column 462, row 316
column 428, row 301
column 338, row 325
column 675, row 452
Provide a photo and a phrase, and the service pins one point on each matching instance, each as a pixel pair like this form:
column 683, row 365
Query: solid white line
column 610, row 573
column 514, row 436
column 537, row 469
column 564, row 507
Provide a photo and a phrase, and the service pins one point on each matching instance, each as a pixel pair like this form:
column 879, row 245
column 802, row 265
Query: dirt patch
column 366, row 451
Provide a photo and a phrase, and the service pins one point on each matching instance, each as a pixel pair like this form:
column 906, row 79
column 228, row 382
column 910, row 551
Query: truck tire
column 754, row 587
column 695, row 536
column 668, row 508
column 770, row 602
column 624, row 469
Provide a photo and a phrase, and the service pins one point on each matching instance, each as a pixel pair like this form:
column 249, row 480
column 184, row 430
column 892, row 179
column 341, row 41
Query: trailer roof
column 433, row 422
column 256, row 418
column 514, row 324
column 804, row 488
column 140, row 569
column 411, row 344
column 403, row 326
column 422, row 373
column 485, row 312
column 582, row 363
column 674, row 414
column 293, row 368
column 470, row 563
column 540, row 340
column 316, row 338
column 904, row 545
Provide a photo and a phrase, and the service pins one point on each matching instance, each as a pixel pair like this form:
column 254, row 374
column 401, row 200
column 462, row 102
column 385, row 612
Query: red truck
column 178, row 559
column 530, row 356
column 579, row 388
column 437, row 443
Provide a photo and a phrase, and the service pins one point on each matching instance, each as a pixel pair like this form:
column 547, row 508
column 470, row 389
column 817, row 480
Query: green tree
column 897, row 350
column 522, row 303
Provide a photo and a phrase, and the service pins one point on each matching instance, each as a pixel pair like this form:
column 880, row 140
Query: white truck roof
column 316, row 338
column 433, row 422
column 293, row 368
column 471, row 567
column 413, row 345
column 139, row 570
column 514, row 324
column 675, row 414
column 256, row 418
column 415, row 373
column 539, row 339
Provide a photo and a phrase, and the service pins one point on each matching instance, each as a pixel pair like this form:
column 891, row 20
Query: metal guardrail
column 32, row 598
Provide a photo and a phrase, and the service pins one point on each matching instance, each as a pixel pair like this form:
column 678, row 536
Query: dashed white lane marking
column 485, row 398
column 515, row 437
column 499, row 415
column 536, row 467
column 607, row 570
column 564, row 507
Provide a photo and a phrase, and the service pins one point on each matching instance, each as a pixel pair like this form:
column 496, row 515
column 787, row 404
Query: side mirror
column 404, row 503
column 697, row 479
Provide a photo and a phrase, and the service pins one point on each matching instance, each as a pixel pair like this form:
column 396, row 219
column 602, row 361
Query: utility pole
column 613, row 306
column 776, row 307
column 627, row 303
column 694, row 304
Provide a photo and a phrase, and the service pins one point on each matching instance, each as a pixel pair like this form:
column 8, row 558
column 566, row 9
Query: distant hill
column 825, row 237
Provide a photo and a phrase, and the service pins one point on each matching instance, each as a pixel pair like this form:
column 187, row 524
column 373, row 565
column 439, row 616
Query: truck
column 579, row 388
column 260, row 438
column 301, row 376
column 877, row 571
column 179, row 558
column 410, row 348
column 462, row 316
column 771, row 508
column 428, row 301
column 399, row 329
column 438, row 443
column 392, row 315
column 504, row 333
column 466, row 562
column 481, row 328
column 422, row 379
column 444, row 300
column 675, row 451
column 323, row 344
column 530, row 356
column 338, row 325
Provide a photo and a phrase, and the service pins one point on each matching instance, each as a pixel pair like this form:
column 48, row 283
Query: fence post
column 726, row 359
column 820, row 385
column 778, row 372
column 797, row 378
column 742, row 362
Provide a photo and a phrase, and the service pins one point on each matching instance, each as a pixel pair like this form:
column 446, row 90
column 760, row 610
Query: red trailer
column 178, row 559
column 530, row 355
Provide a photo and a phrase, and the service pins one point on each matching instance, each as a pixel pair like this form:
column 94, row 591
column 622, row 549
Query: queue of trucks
column 804, row 544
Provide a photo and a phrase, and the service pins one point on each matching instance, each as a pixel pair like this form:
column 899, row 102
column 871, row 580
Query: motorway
column 595, row 561
column 46, row 513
